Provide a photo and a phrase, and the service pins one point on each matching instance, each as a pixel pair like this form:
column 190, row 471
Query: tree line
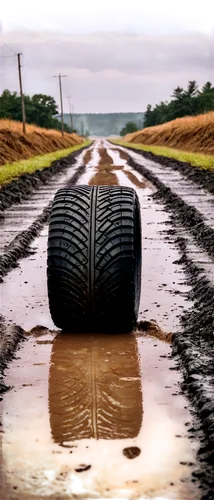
column 185, row 102
column 40, row 109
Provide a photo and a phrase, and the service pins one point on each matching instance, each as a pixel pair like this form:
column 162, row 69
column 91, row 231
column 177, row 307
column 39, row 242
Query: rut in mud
column 108, row 415
column 18, row 247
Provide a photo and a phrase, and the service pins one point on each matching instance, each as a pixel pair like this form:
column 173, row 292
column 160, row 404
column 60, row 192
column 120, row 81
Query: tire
column 94, row 258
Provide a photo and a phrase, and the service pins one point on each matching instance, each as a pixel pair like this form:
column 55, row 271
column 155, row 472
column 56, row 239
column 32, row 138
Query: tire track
column 189, row 216
column 204, row 178
column 20, row 246
column 193, row 343
column 25, row 185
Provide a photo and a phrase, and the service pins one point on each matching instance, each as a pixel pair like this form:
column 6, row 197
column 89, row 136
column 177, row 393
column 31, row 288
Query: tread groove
column 94, row 258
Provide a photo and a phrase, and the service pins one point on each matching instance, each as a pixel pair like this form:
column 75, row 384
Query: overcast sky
column 118, row 56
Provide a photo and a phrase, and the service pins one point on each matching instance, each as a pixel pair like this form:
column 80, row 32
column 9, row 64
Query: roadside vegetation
column 195, row 159
column 191, row 101
column 40, row 109
column 15, row 146
column 188, row 139
column 11, row 171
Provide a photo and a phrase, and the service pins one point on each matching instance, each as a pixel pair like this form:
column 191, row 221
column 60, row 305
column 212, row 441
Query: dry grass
column 16, row 146
column 191, row 133
column 15, row 126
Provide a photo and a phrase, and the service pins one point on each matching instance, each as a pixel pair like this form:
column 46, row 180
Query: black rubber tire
column 94, row 258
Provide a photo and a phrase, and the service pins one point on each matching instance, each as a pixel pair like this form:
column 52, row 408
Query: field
column 189, row 139
column 16, row 146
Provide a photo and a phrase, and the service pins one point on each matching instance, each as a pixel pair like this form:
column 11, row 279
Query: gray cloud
column 108, row 71
column 135, row 54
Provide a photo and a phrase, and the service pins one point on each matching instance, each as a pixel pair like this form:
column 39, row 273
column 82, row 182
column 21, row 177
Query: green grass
column 11, row 171
column 196, row 159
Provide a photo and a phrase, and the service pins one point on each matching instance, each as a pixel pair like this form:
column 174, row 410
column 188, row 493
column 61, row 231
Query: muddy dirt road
column 113, row 416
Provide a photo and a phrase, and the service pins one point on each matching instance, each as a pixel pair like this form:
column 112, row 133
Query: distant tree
column 41, row 109
column 192, row 89
column 148, row 118
column 190, row 101
column 129, row 128
column 207, row 87
column 178, row 93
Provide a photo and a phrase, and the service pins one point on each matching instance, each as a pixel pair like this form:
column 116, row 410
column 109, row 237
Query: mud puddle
column 105, row 419
column 98, row 416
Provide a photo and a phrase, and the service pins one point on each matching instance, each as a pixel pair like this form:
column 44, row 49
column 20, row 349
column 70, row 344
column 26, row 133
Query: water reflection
column 94, row 387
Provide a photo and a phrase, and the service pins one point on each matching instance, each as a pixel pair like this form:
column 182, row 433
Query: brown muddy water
column 98, row 416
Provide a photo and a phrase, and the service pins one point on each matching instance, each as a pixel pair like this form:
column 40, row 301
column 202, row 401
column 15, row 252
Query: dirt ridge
column 25, row 185
column 10, row 336
column 202, row 177
column 193, row 346
column 194, row 343
column 189, row 216
column 19, row 247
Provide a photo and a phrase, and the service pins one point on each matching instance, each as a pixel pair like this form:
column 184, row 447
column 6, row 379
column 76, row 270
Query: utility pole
column 61, row 102
column 22, row 95
column 70, row 112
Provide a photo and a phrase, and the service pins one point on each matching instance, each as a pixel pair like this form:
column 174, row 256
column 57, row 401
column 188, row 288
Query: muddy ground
column 122, row 416
column 202, row 177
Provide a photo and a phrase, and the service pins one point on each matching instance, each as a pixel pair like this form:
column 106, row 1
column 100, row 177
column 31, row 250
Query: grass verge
column 11, row 171
column 203, row 161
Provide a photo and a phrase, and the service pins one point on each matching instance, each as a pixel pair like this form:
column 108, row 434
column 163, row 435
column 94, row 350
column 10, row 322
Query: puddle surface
column 95, row 401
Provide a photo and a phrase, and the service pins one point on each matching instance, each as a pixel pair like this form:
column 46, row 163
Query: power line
column 26, row 60
column 11, row 50
column 61, row 101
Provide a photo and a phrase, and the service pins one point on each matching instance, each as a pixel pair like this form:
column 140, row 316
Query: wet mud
column 104, row 422
column 104, row 172
column 109, row 415
column 202, row 177
column 193, row 347
column 10, row 336
column 88, row 156
column 185, row 214
column 19, row 247
column 193, row 343
column 25, row 185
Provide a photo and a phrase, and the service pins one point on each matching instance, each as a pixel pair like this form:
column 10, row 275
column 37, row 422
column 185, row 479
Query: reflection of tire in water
column 94, row 387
